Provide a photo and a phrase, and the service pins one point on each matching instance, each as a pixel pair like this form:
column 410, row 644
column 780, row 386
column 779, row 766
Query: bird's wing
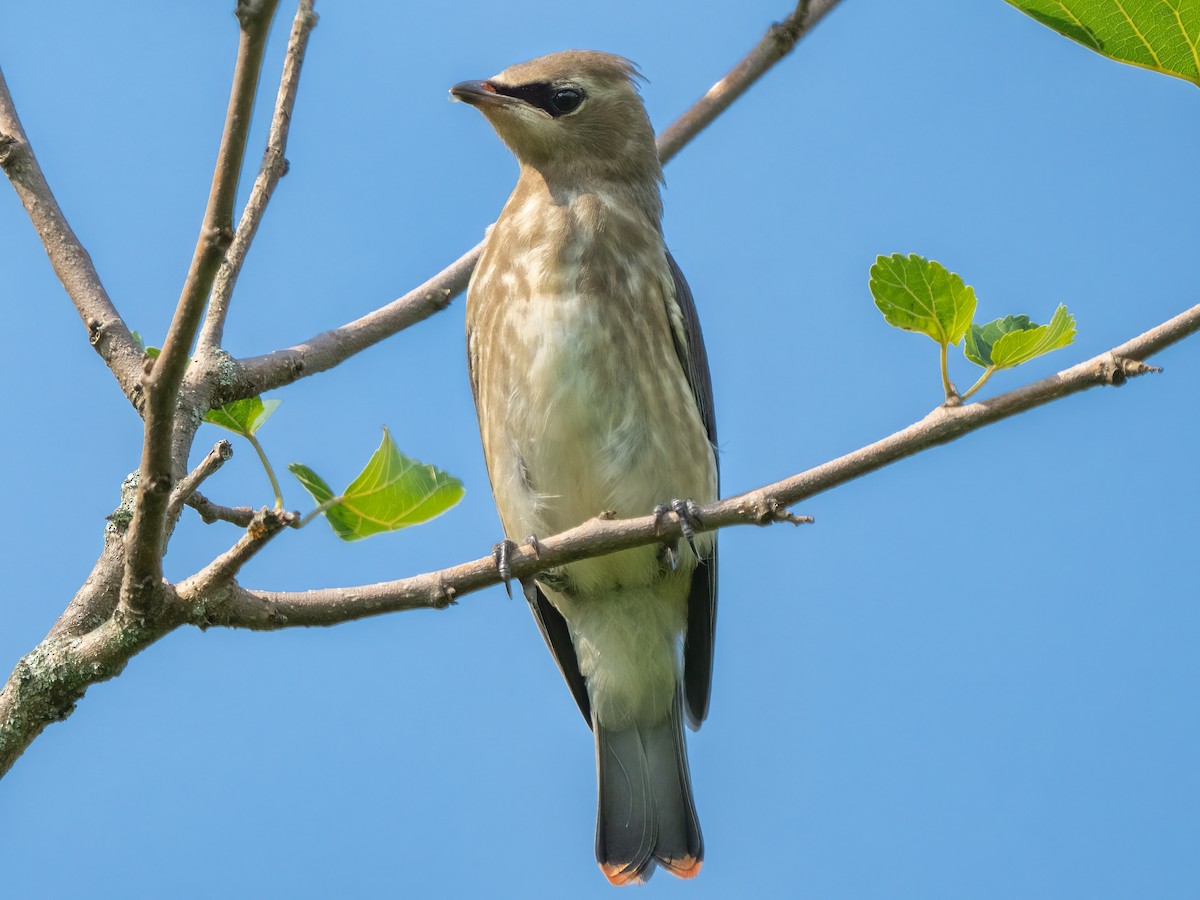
column 702, row 597
column 554, row 629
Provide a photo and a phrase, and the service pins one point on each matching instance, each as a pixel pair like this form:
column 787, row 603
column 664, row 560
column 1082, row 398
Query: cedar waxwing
column 592, row 389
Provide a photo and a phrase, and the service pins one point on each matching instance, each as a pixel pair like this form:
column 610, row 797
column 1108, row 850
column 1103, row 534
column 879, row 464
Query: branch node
column 786, row 33
column 1115, row 370
column 268, row 521
column 250, row 13
column 10, row 152
column 768, row 510
column 444, row 598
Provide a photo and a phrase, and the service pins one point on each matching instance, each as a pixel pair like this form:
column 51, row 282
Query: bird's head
column 572, row 115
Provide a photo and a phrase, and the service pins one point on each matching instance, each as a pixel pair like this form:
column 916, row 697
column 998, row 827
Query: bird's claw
column 687, row 513
column 502, row 556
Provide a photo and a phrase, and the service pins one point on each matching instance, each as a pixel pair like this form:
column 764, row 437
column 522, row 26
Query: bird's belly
column 597, row 417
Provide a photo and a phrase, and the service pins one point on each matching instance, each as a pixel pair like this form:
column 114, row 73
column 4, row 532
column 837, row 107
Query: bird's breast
column 583, row 403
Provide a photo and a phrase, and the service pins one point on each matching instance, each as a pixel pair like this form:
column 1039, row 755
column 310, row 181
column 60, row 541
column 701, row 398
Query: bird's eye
column 565, row 100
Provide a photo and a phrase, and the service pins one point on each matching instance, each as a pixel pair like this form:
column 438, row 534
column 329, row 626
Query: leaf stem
column 324, row 507
column 946, row 385
column 987, row 373
column 267, row 465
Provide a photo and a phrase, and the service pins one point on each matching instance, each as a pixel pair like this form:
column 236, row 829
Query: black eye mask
column 554, row 100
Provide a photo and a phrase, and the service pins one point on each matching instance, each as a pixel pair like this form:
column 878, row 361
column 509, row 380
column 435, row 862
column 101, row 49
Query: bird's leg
column 502, row 556
column 668, row 547
column 687, row 513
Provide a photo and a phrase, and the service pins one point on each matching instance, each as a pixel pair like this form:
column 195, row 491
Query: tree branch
column 326, row 350
column 274, row 166
column 147, row 532
column 265, row 524
column 777, row 43
column 107, row 332
column 239, row 607
column 213, row 512
column 220, row 454
column 49, row 680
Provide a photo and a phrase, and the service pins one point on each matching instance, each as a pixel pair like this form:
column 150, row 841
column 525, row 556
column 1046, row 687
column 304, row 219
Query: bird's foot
column 502, row 556
column 687, row 514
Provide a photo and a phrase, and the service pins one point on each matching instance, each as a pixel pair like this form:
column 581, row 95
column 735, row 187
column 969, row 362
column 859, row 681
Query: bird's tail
column 646, row 813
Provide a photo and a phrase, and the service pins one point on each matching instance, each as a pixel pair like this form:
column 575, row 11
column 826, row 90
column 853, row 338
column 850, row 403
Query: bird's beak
column 480, row 93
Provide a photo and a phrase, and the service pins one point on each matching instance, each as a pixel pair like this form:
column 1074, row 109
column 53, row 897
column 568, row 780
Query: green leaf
column 313, row 483
column 243, row 417
column 917, row 294
column 1160, row 35
column 978, row 345
column 392, row 492
column 1020, row 346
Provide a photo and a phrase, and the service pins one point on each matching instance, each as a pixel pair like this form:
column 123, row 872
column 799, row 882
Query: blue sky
column 975, row 676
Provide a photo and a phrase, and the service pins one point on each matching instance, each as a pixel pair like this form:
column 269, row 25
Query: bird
column 592, row 389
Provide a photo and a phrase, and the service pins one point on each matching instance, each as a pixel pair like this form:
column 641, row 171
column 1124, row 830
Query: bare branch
column 328, row 349
column 241, row 608
column 147, row 532
column 777, row 43
column 213, row 512
column 46, row 684
column 274, row 166
column 220, row 454
column 265, row 525
column 107, row 331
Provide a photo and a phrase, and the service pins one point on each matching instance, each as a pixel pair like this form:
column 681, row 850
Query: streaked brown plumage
column 593, row 395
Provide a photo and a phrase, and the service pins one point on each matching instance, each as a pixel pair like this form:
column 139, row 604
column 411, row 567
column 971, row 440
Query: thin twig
column 242, row 608
column 107, row 331
column 328, row 349
column 147, row 532
column 220, row 454
column 265, row 524
column 213, row 512
column 777, row 43
column 324, row 351
column 274, row 166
